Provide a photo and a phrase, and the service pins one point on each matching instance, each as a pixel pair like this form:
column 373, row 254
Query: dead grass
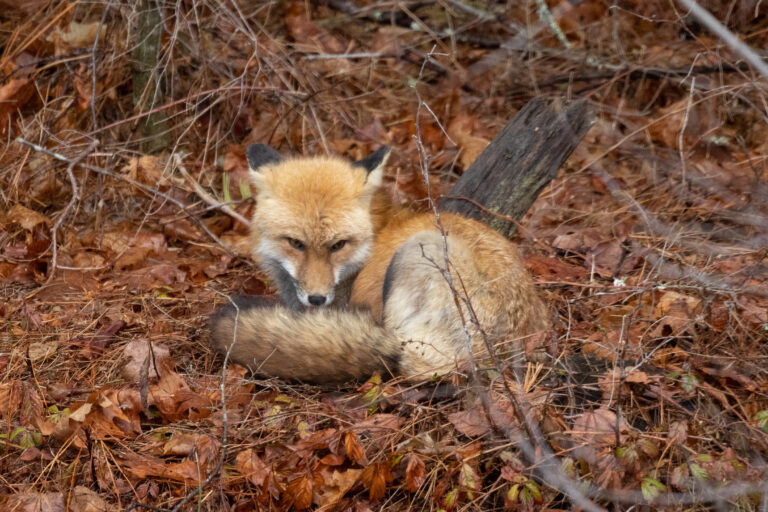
column 650, row 246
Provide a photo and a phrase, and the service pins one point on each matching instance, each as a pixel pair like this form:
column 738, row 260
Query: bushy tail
column 318, row 345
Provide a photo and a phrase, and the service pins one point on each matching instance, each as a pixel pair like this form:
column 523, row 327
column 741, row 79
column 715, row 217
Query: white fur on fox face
column 269, row 251
column 354, row 263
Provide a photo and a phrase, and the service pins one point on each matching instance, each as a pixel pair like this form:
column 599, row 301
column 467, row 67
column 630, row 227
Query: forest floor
column 650, row 247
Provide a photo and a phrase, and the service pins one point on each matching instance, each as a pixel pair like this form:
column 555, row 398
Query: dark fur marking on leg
column 389, row 278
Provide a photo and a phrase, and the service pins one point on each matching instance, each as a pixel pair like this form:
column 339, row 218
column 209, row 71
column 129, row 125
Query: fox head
column 312, row 227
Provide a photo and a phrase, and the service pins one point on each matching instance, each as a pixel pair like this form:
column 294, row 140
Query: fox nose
column 316, row 300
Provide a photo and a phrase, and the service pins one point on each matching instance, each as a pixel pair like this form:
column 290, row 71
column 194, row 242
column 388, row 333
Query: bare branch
column 720, row 30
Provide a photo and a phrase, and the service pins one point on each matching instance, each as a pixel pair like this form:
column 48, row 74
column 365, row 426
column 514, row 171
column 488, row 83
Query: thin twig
column 681, row 141
column 545, row 15
column 205, row 196
column 75, row 197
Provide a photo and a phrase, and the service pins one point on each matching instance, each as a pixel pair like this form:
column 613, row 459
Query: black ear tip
column 261, row 154
column 375, row 159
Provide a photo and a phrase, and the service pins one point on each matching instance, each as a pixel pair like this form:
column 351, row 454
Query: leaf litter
column 650, row 246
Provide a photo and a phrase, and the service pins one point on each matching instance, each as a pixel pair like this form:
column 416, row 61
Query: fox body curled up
column 363, row 283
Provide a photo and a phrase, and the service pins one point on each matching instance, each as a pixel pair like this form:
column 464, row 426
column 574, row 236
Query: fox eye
column 296, row 244
column 338, row 245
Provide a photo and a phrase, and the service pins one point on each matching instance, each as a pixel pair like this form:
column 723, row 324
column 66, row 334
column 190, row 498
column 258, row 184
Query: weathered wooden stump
column 519, row 162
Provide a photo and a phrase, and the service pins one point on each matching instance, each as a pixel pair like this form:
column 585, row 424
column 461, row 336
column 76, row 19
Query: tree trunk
column 147, row 85
column 526, row 155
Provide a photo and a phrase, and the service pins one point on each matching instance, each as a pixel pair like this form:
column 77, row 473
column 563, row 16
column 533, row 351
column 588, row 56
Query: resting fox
column 327, row 236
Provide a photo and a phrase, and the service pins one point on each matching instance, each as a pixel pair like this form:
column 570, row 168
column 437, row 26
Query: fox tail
column 318, row 345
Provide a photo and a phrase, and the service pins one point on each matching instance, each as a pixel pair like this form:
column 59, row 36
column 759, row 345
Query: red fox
column 327, row 236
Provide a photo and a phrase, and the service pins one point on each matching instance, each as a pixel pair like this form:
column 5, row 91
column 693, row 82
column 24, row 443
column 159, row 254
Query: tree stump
column 519, row 162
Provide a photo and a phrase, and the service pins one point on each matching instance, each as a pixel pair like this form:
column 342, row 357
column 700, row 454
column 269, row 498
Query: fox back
column 312, row 230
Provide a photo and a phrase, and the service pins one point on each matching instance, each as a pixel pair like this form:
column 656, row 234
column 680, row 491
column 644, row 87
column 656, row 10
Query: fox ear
column 260, row 154
column 374, row 165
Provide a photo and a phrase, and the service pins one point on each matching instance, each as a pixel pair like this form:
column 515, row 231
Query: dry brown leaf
column 238, row 244
column 93, row 347
column 120, row 240
column 25, row 217
column 415, row 473
column 299, row 492
column 35, row 502
column 598, row 427
column 203, row 447
column 380, row 421
column 553, row 268
column 250, row 465
column 78, row 35
column 604, row 258
column 376, row 477
column 308, row 36
column 334, row 487
column 87, row 260
column 675, row 312
column 137, row 351
column 568, row 242
column 182, row 229
column 471, row 423
column 17, row 91
column 333, row 459
column 85, row 500
column 354, row 450
column 461, row 131
column 667, row 130
column 42, row 351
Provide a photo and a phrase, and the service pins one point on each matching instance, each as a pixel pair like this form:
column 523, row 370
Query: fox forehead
column 323, row 180
column 318, row 200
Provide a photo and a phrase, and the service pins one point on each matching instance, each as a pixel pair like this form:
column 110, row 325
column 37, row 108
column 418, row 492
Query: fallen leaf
column 461, row 130
column 334, row 487
column 468, row 478
column 554, row 268
column 354, row 449
column 81, row 412
column 35, row 502
column 415, row 473
column 203, row 447
column 122, row 239
column 675, row 312
column 25, row 217
column 380, row 421
column 79, row 35
column 92, row 347
column 472, row 423
column 42, row 351
column 308, row 36
column 376, row 477
column 298, row 492
column 598, row 426
column 252, row 467
column 85, row 500
column 137, row 352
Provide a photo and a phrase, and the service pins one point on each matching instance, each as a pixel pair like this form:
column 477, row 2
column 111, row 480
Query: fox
column 367, row 286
